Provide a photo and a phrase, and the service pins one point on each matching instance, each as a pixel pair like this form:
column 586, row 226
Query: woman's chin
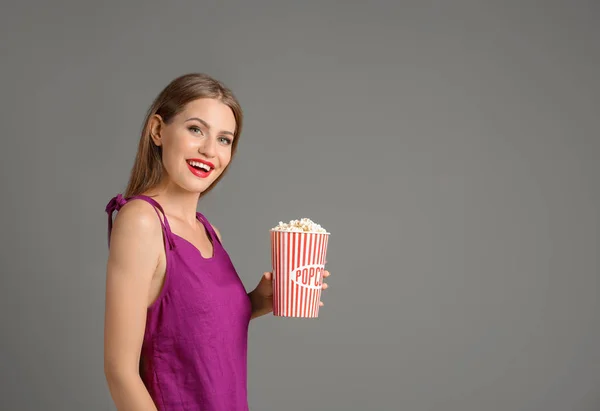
column 198, row 187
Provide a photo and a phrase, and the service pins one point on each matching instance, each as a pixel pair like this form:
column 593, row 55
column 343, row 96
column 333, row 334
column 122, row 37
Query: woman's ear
column 156, row 124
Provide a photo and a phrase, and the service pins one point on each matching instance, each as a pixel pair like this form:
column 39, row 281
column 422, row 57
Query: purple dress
column 194, row 353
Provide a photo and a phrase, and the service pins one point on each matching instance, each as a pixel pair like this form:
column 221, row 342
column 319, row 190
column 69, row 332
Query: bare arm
column 135, row 249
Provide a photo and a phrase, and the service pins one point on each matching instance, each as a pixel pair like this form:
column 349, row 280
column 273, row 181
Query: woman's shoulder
column 137, row 217
column 217, row 232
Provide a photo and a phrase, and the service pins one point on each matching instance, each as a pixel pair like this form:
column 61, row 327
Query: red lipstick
column 200, row 168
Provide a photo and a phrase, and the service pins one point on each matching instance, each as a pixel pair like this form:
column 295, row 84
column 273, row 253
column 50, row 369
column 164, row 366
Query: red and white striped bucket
column 298, row 260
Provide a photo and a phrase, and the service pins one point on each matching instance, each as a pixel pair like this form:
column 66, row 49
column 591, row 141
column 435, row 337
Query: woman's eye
column 225, row 140
column 195, row 129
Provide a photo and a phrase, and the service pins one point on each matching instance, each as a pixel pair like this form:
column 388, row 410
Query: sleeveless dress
column 194, row 351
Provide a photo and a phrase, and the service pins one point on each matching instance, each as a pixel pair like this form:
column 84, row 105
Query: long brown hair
column 148, row 169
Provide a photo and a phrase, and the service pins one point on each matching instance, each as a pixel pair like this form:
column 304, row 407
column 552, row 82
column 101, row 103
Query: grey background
column 450, row 147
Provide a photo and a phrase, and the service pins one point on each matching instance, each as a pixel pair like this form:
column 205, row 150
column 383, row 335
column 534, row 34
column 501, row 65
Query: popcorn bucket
column 298, row 260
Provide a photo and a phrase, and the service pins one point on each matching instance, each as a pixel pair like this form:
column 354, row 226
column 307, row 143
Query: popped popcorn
column 302, row 225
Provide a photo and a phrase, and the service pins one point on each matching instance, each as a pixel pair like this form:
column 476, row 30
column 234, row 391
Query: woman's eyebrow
column 206, row 124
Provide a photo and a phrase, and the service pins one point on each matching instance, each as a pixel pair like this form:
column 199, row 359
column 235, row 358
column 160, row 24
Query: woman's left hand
column 262, row 295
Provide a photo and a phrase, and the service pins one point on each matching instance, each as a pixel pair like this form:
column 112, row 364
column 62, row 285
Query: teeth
column 201, row 165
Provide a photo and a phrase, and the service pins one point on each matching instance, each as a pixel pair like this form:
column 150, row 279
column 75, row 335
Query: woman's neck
column 176, row 202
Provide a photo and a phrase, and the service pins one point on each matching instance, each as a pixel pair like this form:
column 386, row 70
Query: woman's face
column 196, row 144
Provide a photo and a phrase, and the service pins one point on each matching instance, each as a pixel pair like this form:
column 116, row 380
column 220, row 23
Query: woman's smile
column 200, row 168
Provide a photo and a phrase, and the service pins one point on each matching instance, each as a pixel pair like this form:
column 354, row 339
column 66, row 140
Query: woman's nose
column 208, row 147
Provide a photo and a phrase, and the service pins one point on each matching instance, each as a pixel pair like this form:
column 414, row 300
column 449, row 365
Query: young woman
column 177, row 314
